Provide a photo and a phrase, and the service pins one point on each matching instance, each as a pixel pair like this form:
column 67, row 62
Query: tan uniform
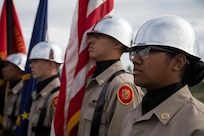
column 12, row 107
column 179, row 115
column 115, row 107
column 37, row 103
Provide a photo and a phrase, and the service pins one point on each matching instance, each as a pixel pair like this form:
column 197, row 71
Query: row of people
column 165, row 64
column 45, row 60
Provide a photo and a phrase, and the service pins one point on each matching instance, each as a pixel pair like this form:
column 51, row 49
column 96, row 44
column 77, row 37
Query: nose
column 31, row 64
column 90, row 41
column 136, row 59
column 3, row 69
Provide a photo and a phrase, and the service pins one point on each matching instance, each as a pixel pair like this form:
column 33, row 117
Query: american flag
column 77, row 65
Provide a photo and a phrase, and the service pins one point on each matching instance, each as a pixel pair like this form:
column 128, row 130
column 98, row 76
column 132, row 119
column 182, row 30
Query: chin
column 139, row 83
column 92, row 57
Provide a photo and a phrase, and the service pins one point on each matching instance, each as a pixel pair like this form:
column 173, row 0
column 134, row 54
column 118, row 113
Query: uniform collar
column 106, row 74
column 17, row 87
column 103, row 65
column 154, row 97
column 43, row 83
column 13, row 83
column 167, row 109
column 47, row 89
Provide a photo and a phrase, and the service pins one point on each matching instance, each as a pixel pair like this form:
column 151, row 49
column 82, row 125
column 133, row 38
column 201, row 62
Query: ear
column 51, row 64
column 118, row 45
column 179, row 62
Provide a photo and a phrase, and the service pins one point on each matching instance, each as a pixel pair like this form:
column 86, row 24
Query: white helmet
column 47, row 51
column 170, row 31
column 116, row 28
column 18, row 59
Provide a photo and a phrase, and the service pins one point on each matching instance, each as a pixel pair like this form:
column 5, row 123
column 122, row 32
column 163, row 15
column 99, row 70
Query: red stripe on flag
column 3, row 33
column 82, row 11
column 83, row 59
column 97, row 14
column 58, row 121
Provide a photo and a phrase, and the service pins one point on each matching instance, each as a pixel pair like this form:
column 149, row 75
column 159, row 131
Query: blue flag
column 38, row 34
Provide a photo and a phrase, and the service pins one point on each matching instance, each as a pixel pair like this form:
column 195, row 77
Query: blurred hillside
column 198, row 91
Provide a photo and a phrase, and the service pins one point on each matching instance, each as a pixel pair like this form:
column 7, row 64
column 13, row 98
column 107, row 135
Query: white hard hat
column 18, row 59
column 116, row 28
column 170, row 31
column 47, row 51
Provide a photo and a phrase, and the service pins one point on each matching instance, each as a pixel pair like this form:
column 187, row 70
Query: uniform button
column 101, row 81
column 44, row 93
column 38, row 108
column 165, row 115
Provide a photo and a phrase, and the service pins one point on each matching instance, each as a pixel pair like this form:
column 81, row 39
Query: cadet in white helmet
column 45, row 59
column 110, row 92
column 12, row 73
column 166, row 63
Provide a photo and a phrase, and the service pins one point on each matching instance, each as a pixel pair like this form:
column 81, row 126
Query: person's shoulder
column 198, row 105
column 54, row 96
column 125, row 77
column 54, row 83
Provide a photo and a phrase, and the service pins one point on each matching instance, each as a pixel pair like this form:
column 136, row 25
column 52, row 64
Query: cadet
column 110, row 92
column 12, row 72
column 45, row 58
column 166, row 64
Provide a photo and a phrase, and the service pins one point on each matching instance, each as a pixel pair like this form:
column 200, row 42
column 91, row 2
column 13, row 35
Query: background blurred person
column 45, row 57
column 12, row 72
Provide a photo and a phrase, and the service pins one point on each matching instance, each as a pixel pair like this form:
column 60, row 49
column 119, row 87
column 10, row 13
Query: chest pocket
column 88, row 116
column 12, row 103
column 35, row 112
column 98, row 113
column 89, row 113
column 10, row 107
column 40, row 129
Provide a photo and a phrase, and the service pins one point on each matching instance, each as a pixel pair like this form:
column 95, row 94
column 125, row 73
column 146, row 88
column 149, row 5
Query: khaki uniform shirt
column 179, row 115
column 37, row 103
column 12, row 106
column 115, row 107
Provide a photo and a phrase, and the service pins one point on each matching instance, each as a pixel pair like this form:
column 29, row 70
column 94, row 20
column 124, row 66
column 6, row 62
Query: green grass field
column 198, row 91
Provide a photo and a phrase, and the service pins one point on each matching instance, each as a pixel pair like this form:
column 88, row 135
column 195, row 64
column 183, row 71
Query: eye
column 144, row 53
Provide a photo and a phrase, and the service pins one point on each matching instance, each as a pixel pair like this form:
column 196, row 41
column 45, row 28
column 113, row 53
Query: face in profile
column 11, row 72
column 100, row 46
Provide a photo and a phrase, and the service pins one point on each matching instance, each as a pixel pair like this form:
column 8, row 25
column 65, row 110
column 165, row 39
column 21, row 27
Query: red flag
column 11, row 38
column 77, row 66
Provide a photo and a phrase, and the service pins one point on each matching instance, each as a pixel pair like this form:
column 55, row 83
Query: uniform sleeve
column 126, row 97
column 199, row 130
column 52, row 103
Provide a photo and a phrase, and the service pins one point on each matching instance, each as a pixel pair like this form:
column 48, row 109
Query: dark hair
column 194, row 73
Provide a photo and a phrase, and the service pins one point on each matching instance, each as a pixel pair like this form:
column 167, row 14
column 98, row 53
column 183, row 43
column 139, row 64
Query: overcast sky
column 137, row 12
